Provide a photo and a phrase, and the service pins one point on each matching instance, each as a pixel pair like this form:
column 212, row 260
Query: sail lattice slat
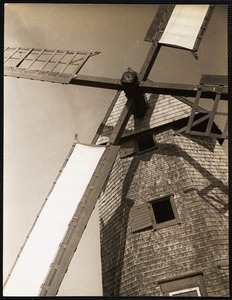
column 44, row 64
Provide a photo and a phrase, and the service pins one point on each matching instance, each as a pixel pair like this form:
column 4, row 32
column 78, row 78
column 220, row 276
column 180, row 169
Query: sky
column 42, row 118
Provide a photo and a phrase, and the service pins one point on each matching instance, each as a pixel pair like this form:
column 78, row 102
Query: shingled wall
column 161, row 110
column 194, row 170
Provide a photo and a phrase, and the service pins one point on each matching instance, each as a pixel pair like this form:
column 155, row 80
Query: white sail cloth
column 41, row 247
column 184, row 25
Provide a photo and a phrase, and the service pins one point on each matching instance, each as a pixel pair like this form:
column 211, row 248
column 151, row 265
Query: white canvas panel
column 41, row 247
column 184, row 25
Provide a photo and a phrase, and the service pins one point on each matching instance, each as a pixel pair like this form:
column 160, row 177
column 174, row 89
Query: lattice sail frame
column 220, row 84
column 44, row 64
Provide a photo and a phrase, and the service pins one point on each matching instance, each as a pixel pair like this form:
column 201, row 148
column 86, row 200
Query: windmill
column 134, row 85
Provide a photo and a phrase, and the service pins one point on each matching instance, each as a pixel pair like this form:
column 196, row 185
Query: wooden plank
column 200, row 120
column 214, row 135
column 203, row 28
column 38, row 75
column 188, row 102
column 140, row 217
column 82, row 215
column 149, row 61
column 193, row 124
column 102, row 125
column 196, row 102
column 216, row 80
column 212, row 113
column 185, row 90
column 99, row 82
column 225, row 131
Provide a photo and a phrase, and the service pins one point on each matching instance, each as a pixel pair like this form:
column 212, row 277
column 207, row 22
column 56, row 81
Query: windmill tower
column 159, row 215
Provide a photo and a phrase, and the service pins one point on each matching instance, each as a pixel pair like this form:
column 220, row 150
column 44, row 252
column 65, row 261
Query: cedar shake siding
column 184, row 251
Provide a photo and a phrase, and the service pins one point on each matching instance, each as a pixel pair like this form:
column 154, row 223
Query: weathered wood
column 159, row 22
column 208, row 79
column 185, row 90
column 196, row 102
column 213, row 113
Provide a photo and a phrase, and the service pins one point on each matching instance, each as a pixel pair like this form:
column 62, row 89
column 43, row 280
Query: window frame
column 184, row 283
column 197, row 288
column 168, row 223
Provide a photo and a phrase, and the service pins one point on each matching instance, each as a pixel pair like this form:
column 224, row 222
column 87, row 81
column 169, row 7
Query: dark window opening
column 146, row 142
column 155, row 214
column 163, row 210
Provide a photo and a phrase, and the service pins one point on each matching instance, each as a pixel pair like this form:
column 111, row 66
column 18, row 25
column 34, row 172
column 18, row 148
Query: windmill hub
column 129, row 79
column 130, row 83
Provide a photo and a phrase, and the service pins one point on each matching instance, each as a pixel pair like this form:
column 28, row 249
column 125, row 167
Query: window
column 184, row 286
column 156, row 214
column 195, row 291
column 145, row 143
column 164, row 211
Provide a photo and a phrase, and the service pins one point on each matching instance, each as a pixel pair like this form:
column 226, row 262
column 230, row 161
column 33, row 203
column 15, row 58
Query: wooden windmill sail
column 56, row 67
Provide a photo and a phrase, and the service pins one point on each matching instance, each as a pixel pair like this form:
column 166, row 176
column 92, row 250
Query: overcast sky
column 42, row 118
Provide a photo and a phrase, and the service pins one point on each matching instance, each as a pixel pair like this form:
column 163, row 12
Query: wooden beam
column 196, row 102
column 159, row 22
column 188, row 102
column 185, row 90
column 225, row 131
column 102, row 125
column 121, row 123
column 213, row 113
column 98, row 82
column 173, row 89
column 208, row 79
column 205, row 117
column 149, row 61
